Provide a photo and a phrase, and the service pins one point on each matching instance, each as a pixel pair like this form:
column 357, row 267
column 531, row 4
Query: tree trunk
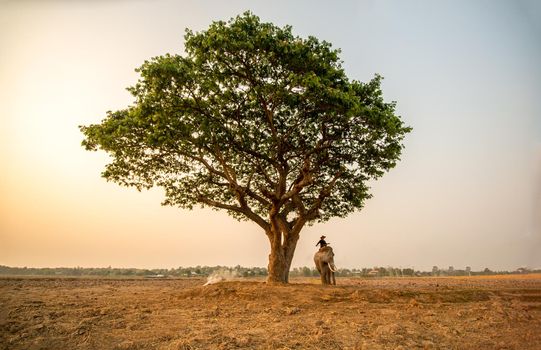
column 278, row 266
column 281, row 256
column 283, row 237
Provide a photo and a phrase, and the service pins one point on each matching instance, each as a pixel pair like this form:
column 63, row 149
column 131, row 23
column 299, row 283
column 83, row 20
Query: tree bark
column 278, row 266
column 283, row 242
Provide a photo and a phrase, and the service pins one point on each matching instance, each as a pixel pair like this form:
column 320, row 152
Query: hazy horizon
column 442, row 269
column 465, row 75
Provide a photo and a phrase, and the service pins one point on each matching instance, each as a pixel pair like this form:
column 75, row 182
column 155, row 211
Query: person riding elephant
column 322, row 243
column 324, row 260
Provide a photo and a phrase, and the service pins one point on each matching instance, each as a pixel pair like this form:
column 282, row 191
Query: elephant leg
column 333, row 278
column 328, row 274
column 325, row 274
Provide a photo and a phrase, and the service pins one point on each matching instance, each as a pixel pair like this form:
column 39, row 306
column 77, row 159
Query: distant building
column 468, row 270
column 451, row 271
column 435, row 271
column 523, row 270
column 373, row 273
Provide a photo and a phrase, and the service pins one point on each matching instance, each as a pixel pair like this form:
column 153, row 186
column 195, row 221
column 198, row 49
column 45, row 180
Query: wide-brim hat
column 323, row 237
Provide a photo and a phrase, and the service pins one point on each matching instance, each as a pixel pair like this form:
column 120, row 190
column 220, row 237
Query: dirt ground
column 497, row 312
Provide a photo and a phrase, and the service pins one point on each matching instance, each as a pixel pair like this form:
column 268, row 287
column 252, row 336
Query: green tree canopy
column 255, row 121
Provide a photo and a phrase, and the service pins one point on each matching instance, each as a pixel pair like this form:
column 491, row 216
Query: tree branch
column 325, row 192
column 243, row 210
column 304, row 179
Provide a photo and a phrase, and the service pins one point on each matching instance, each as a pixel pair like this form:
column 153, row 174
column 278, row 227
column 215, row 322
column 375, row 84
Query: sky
column 465, row 75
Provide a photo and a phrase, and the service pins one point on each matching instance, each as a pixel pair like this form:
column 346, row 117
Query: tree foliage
column 256, row 121
column 252, row 112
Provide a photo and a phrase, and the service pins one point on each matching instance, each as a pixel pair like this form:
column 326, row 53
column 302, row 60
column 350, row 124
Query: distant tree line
column 204, row 271
column 197, row 271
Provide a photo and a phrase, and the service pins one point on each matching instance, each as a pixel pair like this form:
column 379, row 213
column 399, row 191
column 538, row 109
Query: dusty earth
column 499, row 312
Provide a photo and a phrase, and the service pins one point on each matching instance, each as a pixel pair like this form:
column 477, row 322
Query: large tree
column 255, row 121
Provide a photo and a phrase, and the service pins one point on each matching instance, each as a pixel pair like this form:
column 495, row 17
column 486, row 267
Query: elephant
column 324, row 259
